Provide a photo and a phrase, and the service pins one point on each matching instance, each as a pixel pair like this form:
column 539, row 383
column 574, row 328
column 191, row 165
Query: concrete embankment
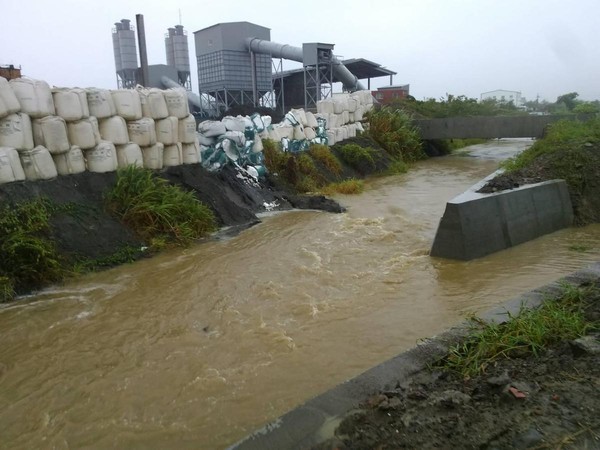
column 316, row 420
column 475, row 225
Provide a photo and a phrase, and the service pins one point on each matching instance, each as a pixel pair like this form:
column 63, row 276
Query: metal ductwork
column 285, row 51
column 194, row 99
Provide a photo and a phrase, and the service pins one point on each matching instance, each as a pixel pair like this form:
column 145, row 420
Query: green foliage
column 360, row 158
column 29, row 257
column 456, row 106
column 7, row 289
column 306, row 184
column 392, row 129
column 569, row 100
column 562, row 136
column 275, row 158
column 126, row 254
column 152, row 207
column 351, row 186
column 305, row 164
column 397, row 167
column 531, row 331
column 323, row 154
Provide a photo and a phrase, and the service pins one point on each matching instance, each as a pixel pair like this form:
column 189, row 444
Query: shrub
column 305, row 164
column 393, row 130
column 397, row 167
column 322, row 154
column 275, row 158
column 29, row 257
column 360, row 158
column 153, row 208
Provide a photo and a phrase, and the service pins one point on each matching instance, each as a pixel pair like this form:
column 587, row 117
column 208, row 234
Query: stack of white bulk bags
column 9, row 104
column 153, row 156
column 129, row 155
column 70, row 104
column 84, row 133
column 173, row 155
column 71, row 162
column 191, row 153
column 153, row 103
column 34, row 97
column 127, row 103
column 102, row 158
column 100, row 103
column 187, row 130
column 38, row 164
column 167, row 130
column 142, row 131
column 10, row 166
column 51, row 132
column 16, row 132
column 114, row 129
column 177, row 102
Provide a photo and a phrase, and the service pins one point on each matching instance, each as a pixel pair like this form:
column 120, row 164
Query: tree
column 569, row 100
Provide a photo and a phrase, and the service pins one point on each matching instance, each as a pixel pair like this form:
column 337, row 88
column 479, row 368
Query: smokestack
column 139, row 18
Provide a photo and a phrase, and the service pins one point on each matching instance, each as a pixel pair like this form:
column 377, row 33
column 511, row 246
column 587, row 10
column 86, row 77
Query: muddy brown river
column 195, row 348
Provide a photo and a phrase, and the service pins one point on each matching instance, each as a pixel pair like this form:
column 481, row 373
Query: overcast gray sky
column 538, row 47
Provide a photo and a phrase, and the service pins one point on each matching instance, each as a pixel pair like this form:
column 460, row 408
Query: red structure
column 389, row 94
column 9, row 72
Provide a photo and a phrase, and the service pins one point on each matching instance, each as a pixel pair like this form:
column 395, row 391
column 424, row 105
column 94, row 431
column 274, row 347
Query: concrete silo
column 176, row 46
column 125, row 50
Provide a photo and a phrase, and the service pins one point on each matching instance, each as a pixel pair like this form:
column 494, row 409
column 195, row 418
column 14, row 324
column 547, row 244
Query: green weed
column 323, row 154
column 360, row 158
column 393, row 130
column 346, row 187
column 531, row 331
column 152, row 207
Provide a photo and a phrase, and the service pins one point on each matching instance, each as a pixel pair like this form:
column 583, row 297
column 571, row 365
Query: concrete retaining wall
column 475, row 225
column 315, row 421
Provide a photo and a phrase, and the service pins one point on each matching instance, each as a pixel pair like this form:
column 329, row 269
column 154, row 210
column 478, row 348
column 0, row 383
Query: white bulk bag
column 9, row 104
column 311, row 120
column 172, row 155
column 359, row 127
column 310, row 133
column 191, row 153
column 207, row 141
column 16, row 132
column 10, row 166
column 358, row 114
column 51, row 132
column 100, row 103
column 258, row 145
column 300, row 115
column 345, row 117
column 340, row 104
column 38, row 164
column 127, row 102
column 285, row 131
column 70, row 104
column 102, row 158
column 236, row 136
column 299, row 133
column 142, row 131
column 238, row 123
column 114, row 129
column 71, row 162
column 325, row 106
column 267, row 120
column 129, row 154
column 167, row 130
column 153, row 103
column 352, row 104
column 177, row 103
column 211, row 128
column 84, row 133
column 34, row 96
column 187, row 130
column 153, row 156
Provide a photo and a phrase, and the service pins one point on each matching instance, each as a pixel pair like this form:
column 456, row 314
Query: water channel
column 195, row 348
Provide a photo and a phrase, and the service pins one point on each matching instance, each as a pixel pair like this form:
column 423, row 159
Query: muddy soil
column 86, row 230
column 548, row 402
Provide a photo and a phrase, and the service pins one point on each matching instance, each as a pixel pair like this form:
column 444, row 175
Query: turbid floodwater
column 195, row 348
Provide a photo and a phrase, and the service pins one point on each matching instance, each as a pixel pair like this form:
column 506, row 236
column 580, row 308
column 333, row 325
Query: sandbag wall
column 48, row 132
column 239, row 139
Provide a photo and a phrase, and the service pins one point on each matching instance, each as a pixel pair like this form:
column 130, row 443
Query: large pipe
column 194, row 99
column 139, row 18
column 285, row 51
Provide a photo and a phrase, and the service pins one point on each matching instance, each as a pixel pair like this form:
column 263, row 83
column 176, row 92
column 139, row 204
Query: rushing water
column 196, row 348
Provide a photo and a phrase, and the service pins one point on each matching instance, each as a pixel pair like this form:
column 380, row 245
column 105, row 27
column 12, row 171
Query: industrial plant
column 239, row 65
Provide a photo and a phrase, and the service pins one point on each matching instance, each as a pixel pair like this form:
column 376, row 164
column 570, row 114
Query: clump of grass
column 125, row 254
column 393, row 130
column 322, row 154
column 154, row 208
column 397, row 167
column 275, row 158
column 531, row 331
column 360, row 158
column 29, row 258
column 346, row 187
column 305, row 164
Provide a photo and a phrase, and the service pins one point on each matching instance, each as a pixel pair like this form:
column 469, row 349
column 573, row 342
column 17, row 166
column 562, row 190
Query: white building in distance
column 502, row 96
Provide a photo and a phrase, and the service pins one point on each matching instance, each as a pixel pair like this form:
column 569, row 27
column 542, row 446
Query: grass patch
column 531, row 331
column 29, row 258
column 393, row 130
column 397, row 167
column 153, row 208
column 323, row 154
column 126, row 254
column 346, row 187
